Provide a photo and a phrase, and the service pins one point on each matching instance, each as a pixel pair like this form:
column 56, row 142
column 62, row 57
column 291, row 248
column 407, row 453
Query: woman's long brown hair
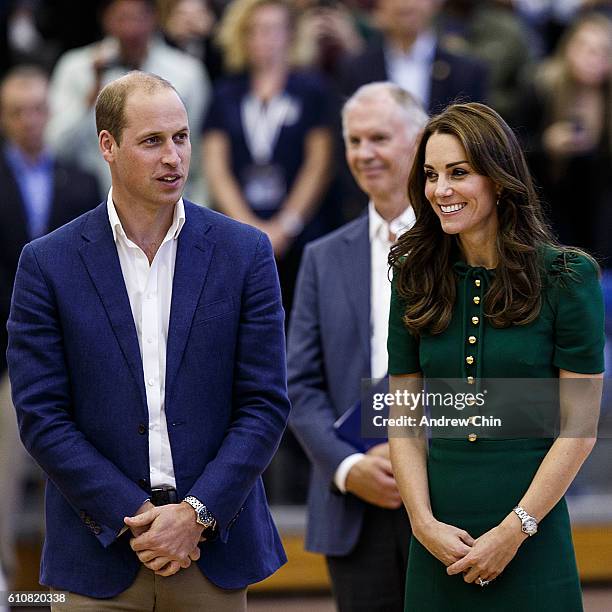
column 422, row 258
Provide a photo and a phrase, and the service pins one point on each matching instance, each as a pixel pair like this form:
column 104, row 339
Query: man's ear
column 108, row 145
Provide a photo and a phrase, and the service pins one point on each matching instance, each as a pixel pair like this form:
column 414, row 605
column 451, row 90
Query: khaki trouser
column 188, row 590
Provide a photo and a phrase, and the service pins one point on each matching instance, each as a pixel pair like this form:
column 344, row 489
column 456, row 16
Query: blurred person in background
column 130, row 43
column 491, row 31
column 69, row 24
column 23, row 39
column 188, row 26
column 547, row 19
column 267, row 156
column 334, row 28
column 267, row 141
column 568, row 124
column 337, row 337
column 39, row 193
column 409, row 54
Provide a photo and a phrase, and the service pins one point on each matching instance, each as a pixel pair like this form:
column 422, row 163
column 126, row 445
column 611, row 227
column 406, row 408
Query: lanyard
column 262, row 123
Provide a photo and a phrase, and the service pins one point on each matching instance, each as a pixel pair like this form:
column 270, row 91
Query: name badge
column 264, row 186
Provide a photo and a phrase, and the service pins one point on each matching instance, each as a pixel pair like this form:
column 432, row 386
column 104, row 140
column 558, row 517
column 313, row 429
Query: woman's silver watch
column 529, row 525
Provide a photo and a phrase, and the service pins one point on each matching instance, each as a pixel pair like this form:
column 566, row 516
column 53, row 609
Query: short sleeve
column 402, row 346
column 317, row 103
column 213, row 118
column 579, row 324
column 222, row 112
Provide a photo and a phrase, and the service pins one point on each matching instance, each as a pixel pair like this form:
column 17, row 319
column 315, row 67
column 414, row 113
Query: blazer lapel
column 100, row 257
column 439, row 94
column 355, row 263
column 193, row 256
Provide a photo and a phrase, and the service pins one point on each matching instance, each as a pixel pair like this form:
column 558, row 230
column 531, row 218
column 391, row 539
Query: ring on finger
column 482, row 583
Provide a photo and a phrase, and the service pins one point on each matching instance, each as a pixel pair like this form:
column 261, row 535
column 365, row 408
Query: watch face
column 530, row 526
column 205, row 518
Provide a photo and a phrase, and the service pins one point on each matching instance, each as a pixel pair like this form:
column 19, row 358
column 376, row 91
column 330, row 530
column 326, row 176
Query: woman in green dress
column 481, row 290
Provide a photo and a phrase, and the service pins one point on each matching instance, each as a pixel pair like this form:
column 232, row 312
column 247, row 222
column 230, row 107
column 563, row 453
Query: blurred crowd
column 263, row 82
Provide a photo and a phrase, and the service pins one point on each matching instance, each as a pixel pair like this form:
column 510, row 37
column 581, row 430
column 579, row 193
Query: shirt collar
column 178, row 219
column 16, row 157
column 422, row 50
column 379, row 228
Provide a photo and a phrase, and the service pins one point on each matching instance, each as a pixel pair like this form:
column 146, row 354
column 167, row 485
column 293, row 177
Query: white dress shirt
column 412, row 70
column 380, row 302
column 149, row 289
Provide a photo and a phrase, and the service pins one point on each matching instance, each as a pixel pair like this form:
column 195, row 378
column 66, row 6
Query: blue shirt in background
column 35, row 182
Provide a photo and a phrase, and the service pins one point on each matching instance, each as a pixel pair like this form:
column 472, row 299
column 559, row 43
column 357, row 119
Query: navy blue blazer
column 454, row 77
column 78, row 388
column 328, row 356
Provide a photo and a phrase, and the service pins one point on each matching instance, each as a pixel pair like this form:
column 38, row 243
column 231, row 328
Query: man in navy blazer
column 146, row 357
column 409, row 54
column 337, row 338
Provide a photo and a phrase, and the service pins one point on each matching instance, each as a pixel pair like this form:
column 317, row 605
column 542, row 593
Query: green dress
column 475, row 484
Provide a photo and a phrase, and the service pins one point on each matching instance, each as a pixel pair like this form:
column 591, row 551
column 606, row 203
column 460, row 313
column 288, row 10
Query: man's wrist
column 190, row 512
column 343, row 470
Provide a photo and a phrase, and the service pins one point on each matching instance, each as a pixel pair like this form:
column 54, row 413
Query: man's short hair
column 111, row 101
column 416, row 117
column 23, row 72
column 104, row 4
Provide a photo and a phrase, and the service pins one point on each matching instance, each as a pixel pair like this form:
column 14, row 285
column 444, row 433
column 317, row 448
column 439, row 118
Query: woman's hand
column 447, row 543
column 490, row 553
column 562, row 139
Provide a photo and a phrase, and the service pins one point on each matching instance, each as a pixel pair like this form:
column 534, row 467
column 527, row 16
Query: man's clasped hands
column 165, row 538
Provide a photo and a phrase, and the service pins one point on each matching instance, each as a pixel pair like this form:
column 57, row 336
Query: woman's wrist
column 422, row 524
column 511, row 528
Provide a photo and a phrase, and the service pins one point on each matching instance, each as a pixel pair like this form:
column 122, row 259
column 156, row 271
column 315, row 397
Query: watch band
column 529, row 524
column 203, row 515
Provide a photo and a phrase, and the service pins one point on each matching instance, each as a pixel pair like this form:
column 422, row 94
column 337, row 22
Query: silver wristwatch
column 528, row 524
column 204, row 516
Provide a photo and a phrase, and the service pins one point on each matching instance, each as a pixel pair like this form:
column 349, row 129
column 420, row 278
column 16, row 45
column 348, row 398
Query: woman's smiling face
column 464, row 201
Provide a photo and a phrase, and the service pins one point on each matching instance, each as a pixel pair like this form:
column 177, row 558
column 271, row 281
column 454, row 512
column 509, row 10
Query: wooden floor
column 595, row 600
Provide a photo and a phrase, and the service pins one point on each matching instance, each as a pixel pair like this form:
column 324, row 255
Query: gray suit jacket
column 328, row 356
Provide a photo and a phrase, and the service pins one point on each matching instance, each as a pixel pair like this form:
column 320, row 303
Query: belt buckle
column 161, row 496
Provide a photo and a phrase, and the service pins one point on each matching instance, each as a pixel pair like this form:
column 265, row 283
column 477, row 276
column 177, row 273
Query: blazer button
column 142, row 483
column 142, row 429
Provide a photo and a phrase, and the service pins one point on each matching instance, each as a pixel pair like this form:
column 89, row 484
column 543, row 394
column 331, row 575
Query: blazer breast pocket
column 212, row 310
